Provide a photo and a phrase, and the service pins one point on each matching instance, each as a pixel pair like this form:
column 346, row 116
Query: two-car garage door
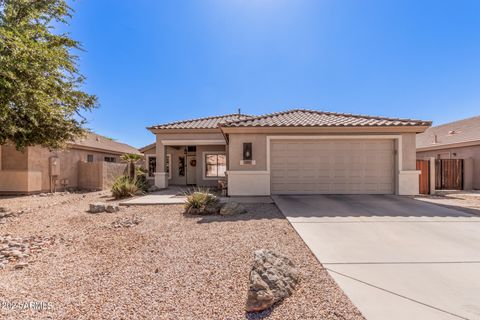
column 332, row 166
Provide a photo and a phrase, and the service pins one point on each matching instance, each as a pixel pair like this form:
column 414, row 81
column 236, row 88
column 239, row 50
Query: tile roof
column 201, row 123
column 466, row 130
column 96, row 141
column 313, row 118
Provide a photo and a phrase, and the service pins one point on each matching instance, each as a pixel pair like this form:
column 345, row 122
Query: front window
column 109, row 159
column 215, row 165
column 152, row 165
column 89, row 157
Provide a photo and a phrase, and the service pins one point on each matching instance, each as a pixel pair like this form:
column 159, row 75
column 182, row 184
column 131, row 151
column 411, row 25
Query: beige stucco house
column 291, row 152
column 90, row 162
column 455, row 140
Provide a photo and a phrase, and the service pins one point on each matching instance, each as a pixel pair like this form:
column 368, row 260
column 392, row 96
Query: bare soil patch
column 168, row 266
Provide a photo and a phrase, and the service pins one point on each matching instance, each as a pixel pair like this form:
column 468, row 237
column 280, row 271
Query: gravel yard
column 152, row 262
column 467, row 201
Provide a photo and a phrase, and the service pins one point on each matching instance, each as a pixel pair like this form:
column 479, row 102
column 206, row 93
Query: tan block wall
column 472, row 170
column 90, row 175
column 99, row 175
column 110, row 172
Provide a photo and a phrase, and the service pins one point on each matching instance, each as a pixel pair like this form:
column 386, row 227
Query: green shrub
column 125, row 187
column 142, row 182
column 199, row 198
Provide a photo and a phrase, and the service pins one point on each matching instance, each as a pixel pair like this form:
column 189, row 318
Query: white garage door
column 332, row 166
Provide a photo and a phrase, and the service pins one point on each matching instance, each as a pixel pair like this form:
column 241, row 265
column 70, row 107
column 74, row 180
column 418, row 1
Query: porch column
column 407, row 172
column 161, row 176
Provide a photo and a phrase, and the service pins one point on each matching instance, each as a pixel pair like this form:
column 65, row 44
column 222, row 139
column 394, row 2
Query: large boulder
column 273, row 277
column 97, row 207
column 232, row 208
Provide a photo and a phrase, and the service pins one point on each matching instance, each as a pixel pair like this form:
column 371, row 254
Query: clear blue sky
column 153, row 61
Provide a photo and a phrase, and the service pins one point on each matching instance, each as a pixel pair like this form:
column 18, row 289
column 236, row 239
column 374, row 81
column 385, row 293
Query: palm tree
column 131, row 159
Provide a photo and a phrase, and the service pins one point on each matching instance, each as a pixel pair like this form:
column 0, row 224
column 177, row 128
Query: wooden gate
column 424, row 178
column 449, row 174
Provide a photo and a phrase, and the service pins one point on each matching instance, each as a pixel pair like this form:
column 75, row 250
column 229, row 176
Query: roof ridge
column 198, row 119
column 326, row 113
column 453, row 122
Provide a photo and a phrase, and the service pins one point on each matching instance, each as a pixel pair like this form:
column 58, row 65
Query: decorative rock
column 232, row 208
column 213, row 208
column 112, row 208
column 273, row 277
column 97, row 207
column 126, row 222
column 21, row 265
column 14, row 253
column 3, row 209
column 2, row 266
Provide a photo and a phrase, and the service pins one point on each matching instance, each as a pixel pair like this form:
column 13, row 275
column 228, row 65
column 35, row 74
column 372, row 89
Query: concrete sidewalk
column 395, row 257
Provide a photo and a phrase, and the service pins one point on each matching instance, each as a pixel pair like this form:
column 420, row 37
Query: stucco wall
column 406, row 175
column 259, row 150
column 39, row 161
column 12, row 159
column 472, row 152
column 29, row 171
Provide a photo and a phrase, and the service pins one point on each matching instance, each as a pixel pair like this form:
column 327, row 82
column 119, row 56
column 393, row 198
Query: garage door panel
column 332, row 166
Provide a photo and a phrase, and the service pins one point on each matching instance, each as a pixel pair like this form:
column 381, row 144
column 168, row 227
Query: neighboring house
column 291, row 152
column 90, row 162
column 455, row 140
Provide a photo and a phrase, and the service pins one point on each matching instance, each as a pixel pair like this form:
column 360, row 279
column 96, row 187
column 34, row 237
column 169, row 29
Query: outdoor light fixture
column 247, row 151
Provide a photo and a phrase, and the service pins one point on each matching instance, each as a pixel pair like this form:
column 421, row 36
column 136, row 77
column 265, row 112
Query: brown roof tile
column 96, row 141
column 313, row 118
column 201, row 123
column 466, row 130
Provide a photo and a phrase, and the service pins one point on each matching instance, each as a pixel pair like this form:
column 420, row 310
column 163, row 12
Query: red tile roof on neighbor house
column 201, row 123
column 96, row 141
column 462, row 131
column 313, row 118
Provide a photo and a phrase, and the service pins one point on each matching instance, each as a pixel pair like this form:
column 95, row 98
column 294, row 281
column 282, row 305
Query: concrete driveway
column 395, row 257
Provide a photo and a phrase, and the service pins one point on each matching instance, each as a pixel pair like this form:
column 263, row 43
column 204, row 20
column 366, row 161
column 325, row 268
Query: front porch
column 202, row 164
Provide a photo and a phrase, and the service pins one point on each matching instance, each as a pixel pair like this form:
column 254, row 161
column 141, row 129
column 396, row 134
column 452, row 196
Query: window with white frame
column 152, row 165
column 215, row 165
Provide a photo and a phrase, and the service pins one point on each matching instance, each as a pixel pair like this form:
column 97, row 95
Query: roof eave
column 399, row 129
column 187, row 130
column 449, row 145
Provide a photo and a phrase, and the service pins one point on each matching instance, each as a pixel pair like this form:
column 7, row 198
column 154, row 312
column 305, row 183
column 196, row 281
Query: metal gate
column 424, row 178
column 449, row 174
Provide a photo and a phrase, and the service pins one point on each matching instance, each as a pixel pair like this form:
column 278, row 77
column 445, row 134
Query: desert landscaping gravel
column 165, row 265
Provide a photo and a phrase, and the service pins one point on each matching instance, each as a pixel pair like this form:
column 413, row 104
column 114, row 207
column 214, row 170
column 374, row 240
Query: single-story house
column 89, row 162
column 291, row 152
column 455, row 140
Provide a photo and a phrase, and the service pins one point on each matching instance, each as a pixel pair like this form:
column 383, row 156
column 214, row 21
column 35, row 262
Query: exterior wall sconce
column 247, row 155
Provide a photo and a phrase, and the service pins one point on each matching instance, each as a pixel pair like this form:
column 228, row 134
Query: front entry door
column 191, row 169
